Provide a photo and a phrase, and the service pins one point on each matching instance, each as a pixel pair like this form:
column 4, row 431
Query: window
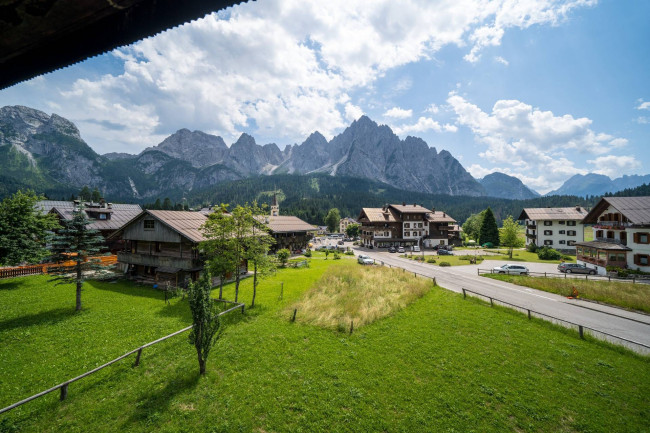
column 548, row 232
column 641, row 259
column 407, row 225
column 148, row 224
column 561, row 222
column 641, row 238
column 102, row 216
column 571, row 223
column 407, row 234
column 419, row 225
column 571, row 232
column 548, row 223
column 548, row 242
column 571, row 243
column 562, row 242
column 562, row 232
column 621, row 257
column 599, row 233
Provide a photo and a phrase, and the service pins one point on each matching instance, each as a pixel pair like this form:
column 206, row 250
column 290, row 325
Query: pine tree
column 489, row 232
column 332, row 220
column 85, row 193
column 24, row 229
column 206, row 325
column 78, row 243
column 96, row 196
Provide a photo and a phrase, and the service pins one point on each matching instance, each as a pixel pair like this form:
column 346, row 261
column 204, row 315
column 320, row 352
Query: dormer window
column 148, row 224
column 102, row 216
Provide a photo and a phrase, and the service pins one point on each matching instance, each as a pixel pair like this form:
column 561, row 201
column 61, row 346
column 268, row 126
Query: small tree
column 332, row 220
column 218, row 246
column 78, row 243
column 489, row 231
column 206, row 326
column 85, row 193
column 96, row 196
column 258, row 249
column 327, row 253
column 352, row 230
column 283, row 256
column 509, row 235
column 24, row 229
column 472, row 225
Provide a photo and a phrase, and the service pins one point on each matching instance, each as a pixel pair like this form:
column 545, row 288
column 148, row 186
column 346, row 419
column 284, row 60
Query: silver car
column 511, row 269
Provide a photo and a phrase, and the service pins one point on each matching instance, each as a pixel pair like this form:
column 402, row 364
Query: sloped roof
column 377, row 215
column 553, row 213
column 120, row 213
column 286, row 223
column 37, row 37
column 410, row 208
column 635, row 209
column 186, row 223
column 601, row 245
column 440, row 217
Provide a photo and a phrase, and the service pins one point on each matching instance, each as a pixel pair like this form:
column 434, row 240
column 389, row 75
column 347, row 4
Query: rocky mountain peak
column 196, row 147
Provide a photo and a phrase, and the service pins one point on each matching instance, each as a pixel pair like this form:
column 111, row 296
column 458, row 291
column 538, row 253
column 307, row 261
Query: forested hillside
column 311, row 196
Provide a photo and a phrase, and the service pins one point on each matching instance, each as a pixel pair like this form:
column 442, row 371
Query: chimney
column 444, row 214
column 415, row 204
column 403, row 203
column 578, row 207
column 110, row 205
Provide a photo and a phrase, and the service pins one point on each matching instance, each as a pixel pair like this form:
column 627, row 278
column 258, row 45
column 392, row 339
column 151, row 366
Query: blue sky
column 539, row 89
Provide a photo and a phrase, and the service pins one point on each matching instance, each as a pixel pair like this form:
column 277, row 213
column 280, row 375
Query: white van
column 415, row 249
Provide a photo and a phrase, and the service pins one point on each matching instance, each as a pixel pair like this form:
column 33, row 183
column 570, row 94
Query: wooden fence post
column 581, row 331
column 293, row 318
column 64, row 392
column 528, row 314
column 351, row 326
column 464, row 294
column 137, row 358
column 242, row 307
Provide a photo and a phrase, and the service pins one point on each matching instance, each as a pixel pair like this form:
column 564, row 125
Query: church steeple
column 275, row 208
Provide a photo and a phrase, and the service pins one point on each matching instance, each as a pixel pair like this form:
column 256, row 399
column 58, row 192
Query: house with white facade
column 406, row 225
column 556, row 227
column 621, row 228
column 345, row 222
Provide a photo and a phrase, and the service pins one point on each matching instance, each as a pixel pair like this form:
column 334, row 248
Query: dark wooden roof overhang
column 40, row 36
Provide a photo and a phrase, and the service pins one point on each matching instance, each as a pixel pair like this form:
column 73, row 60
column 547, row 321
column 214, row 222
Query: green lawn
column 440, row 364
column 626, row 295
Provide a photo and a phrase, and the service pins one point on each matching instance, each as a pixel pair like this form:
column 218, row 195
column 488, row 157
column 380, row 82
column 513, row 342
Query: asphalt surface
column 600, row 318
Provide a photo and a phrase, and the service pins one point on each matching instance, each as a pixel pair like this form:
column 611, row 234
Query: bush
column 308, row 253
column 444, row 264
column 546, row 253
column 337, row 255
column 531, row 248
column 283, row 256
column 431, row 260
column 349, row 253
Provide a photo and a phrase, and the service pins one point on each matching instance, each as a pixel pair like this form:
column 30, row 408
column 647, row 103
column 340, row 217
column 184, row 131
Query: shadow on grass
column 10, row 285
column 125, row 287
column 157, row 402
column 43, row 318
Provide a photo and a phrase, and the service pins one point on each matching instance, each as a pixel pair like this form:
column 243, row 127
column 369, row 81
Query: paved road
column 611, row 320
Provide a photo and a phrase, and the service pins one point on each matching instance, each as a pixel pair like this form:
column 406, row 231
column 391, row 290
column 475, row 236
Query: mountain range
column 598, row 184
column 46, row 153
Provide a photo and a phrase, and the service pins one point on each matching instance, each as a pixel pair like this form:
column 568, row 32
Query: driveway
column 601, row 318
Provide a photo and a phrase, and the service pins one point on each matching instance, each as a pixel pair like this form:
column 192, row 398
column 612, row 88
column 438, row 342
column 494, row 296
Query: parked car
column 341, row 242
column 400, row 250
column 365, row 260
column 444, row 252
column 574, row 268
column 415, row 249
column 511, row 269
column 392, row 250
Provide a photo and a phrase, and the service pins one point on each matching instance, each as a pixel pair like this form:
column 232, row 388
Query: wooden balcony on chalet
column 159, row 260
column 603, row 262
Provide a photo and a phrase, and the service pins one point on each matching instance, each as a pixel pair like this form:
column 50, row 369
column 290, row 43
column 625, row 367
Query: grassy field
column 358, row 294
column 626, row 295
column 440, row 364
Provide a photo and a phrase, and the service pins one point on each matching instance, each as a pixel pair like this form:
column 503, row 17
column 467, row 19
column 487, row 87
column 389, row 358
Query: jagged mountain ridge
column 48, row 150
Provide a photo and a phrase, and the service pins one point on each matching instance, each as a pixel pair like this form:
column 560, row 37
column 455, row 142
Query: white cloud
column 433, row 109
column 615, row 166
column 531, row 142
column 449, row 127
column 501, row 60
column 643, row 105
column 352, row 112
column 423, row 124
column 282, row 68
column 642, row 120
column 398, row 113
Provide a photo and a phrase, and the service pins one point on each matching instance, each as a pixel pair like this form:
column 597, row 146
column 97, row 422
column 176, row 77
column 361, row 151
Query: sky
column 538, row 89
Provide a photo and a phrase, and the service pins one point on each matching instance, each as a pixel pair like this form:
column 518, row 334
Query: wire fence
column 582, row 329
column 634, row 279
column 63, row 387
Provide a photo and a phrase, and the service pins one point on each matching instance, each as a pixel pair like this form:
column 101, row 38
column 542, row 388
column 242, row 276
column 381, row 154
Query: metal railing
column 645, row 279
column 563, row 322
column 63, row 387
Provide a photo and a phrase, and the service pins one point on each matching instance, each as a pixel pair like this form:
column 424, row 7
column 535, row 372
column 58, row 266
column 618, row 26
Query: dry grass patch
column 626, row 295
column 359, row 294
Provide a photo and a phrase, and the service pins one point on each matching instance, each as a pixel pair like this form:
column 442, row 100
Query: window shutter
column 636, row 241
column 636, row 256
